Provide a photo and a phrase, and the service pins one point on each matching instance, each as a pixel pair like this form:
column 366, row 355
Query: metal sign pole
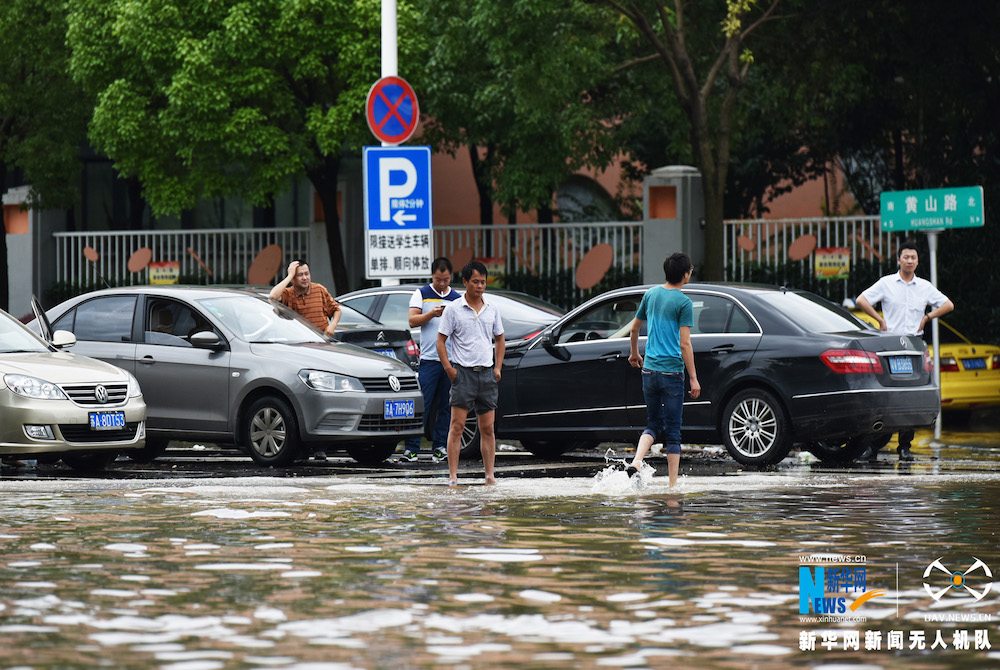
column 932, row 240
column 390, row 68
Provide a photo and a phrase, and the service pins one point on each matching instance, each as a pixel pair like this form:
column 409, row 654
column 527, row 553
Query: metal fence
column 214, row 256
column 542, row 258
column 751, row 244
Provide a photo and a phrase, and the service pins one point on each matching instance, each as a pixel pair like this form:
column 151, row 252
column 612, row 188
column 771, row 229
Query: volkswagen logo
column 905, row 341
column 394, row 383
column 380, row 337
column 101, row 394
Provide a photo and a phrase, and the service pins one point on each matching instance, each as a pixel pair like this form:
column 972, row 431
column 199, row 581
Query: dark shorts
column 475, row 388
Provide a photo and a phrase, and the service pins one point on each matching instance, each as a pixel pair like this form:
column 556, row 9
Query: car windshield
column 811, row 312
column 15, row 338
column 257, row 320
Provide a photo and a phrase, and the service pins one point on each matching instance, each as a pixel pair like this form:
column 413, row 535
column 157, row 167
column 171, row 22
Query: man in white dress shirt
column 904, row 298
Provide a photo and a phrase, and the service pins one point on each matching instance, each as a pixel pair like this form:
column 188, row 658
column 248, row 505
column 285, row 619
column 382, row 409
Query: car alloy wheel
column 271, row 432
column 755, row 429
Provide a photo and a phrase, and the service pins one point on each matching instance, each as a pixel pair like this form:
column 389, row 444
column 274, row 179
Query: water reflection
column 342, row 573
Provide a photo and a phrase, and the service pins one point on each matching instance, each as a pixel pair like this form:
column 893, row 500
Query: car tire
column 372, row 454
column 90, row 462
column 844, row 453
column 155, row 446
column 270, row 432
column 555, row 448
column 755, row 429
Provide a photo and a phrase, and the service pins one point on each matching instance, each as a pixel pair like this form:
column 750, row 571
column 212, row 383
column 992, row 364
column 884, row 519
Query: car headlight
column 134, row 391
column 32, row 387
column 328, row 381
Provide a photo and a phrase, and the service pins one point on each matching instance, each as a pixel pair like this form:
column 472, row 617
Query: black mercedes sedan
column 777, row 367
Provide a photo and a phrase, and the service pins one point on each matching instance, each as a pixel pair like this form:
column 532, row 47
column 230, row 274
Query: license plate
column 107, row 420
column 974, row 363
column 901, row 365
column 399, row 409
column 386, row 352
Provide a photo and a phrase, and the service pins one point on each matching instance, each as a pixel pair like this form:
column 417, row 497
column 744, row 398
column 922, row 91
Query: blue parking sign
column 397, row 196
column 397, row 183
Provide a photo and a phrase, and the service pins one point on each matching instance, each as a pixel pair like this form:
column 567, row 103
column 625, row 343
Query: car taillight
column 996, row 362
column 851, row 361
column 949, row 364
column 412, row 349
column 928, row 362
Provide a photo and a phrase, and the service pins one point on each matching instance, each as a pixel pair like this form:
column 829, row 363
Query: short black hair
column 441, row 263
column 906, row 244
column 300, row 261
column 473, row 266
column 676, row 266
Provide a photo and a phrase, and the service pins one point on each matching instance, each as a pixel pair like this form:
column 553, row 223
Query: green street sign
column 932, row 209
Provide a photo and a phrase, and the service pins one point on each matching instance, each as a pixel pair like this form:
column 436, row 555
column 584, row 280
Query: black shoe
column 630, row 470
column 904, row 454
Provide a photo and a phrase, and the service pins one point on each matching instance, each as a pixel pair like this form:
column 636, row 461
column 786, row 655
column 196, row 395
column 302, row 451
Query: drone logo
column 958, row 580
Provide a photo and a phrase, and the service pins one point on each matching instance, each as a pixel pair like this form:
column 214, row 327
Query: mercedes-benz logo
column 394, row 383
column 905, row 341
column 101, row 394
column 381, row 336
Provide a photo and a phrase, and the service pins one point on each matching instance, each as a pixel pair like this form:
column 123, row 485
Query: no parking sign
column 392, row 110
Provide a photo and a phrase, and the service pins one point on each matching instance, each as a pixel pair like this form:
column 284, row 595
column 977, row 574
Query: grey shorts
column 475, row 388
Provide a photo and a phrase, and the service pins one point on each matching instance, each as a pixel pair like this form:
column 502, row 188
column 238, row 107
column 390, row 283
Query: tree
column 42, row 114
column 234, row 97
column 708, row 73
column 508, row 83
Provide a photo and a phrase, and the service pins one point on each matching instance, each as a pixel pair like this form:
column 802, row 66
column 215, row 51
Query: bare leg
column 673, row 466
column 458, row 415
column 645, row 442
column 488, row 444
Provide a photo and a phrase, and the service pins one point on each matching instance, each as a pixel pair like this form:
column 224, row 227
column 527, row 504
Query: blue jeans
column 664, row 393
column 435, row 387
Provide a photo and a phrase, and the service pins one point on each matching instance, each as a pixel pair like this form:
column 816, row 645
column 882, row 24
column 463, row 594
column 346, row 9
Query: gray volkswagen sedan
column 229, row 367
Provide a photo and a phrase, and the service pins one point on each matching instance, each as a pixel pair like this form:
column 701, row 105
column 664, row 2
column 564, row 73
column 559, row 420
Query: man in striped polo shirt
column 309, row 299
column 426, row 307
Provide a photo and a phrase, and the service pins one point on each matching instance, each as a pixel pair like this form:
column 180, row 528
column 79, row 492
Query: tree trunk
column 4, row 264
column 484, row 187
column 136, row 204
column 324, row 179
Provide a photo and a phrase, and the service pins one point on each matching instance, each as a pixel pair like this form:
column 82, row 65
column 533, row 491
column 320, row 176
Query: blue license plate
column 399, row 409
column 107, row 420
column 386, row 352
column 974, row 363
column 901, row 365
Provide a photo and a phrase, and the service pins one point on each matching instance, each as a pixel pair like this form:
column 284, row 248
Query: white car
column 57, row 404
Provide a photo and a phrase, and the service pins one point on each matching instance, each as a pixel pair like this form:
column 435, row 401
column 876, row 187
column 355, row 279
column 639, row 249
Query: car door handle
column 611, row 357
column 723, row 348
column 147, row 360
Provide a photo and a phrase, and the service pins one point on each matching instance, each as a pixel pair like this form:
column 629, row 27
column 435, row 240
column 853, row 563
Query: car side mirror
column 206, row 339
column 549, row 340
column 61, row 339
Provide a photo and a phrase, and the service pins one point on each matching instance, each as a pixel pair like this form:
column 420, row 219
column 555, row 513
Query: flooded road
column 354, row 572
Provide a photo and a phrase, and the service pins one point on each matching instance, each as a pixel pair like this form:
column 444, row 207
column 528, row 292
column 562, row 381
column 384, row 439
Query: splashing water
column 613, row 480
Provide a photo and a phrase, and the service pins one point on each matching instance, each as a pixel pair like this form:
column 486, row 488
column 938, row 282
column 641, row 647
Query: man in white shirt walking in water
column 904, row 298
column 469, row 331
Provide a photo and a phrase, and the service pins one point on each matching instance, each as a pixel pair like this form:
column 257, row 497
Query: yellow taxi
column 970, row 373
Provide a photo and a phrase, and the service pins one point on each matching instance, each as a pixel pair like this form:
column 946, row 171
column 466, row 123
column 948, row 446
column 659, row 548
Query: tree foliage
column 42, row 114
column 234, row 97
column 508, row 82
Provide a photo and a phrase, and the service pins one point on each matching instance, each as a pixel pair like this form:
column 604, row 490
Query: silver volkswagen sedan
column 229, row 367
column 58, row 404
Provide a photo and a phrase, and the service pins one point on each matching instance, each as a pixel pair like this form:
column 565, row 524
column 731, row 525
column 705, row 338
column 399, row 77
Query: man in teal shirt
column 668, row 315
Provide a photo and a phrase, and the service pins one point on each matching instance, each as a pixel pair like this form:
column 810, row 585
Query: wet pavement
column 204, row 561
